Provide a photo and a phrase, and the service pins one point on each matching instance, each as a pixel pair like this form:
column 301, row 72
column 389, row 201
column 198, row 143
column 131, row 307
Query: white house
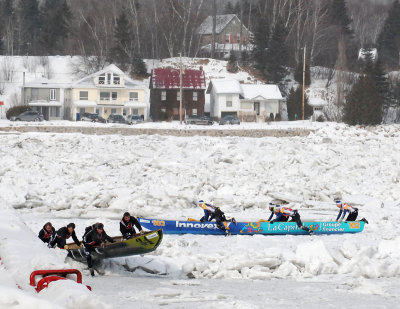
column 47, row 97
column 250, row 102
column 109, row 91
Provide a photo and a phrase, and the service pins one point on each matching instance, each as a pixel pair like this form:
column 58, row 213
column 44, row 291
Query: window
column 34, row 93
column 227, row 38
column 108, row 78
column 52, row 94
column 124, row 112
column 178, row 95
column 175, row 111
column 117, row 80
column 82, row 110
column 54, row 111
column 102, row 79
column 104, row 96
column 83, row 95
column 163, row 95
column 97, row 110
column 164, row 110
column 194, row 111
column 228, row 101
column 114, row 95
column 195, row 96
column 133, row 96
column 113, row 111
column 135, row 111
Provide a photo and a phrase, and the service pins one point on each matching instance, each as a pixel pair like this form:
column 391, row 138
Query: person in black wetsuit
column 47, row 232
column 213, row 212
column 96, row 237
column 60, row 238
column 127, row 226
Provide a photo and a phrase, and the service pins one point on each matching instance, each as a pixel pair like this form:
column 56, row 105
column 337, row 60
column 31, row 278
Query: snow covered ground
column 84, row 179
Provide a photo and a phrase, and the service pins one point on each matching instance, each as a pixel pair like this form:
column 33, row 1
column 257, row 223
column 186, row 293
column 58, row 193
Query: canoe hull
column 251, row 228
column 140, row 244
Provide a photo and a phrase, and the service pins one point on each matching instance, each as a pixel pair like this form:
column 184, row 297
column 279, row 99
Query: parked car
column 28, row 116
column 113, row 118
column 134, row 119
column 202, row 120
column 98, row 118
column 229, row 119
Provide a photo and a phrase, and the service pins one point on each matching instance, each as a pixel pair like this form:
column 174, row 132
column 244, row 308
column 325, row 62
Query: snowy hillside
column 84, row 179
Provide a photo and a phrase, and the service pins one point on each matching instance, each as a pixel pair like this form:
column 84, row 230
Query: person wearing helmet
column 282, row 214
column 212, row 212
column 47, row 232
column 345, row 208
column 96, row 237
column 60, row 238
column 127, row 226
column 274, row 208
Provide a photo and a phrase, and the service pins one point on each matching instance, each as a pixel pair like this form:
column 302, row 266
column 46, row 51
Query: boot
column 91, row 272
column 233, row 221
column 365, row 220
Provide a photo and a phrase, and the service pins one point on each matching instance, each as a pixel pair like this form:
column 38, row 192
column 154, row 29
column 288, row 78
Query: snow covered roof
column 167, row 78
column 247, row 91
column 268, row 92
column 363, row 51
column 316, row 102
column 46, row 83
column 221, row 22
column 225, row 86
column 88, row 81
column 44, row 103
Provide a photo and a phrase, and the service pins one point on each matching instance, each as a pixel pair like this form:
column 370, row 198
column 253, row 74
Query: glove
column 66, row 247
column 340, row 221
column 141, row 232
column 271, row 222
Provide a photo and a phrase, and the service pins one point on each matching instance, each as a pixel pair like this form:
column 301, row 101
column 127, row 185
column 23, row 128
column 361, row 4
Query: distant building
column 165, row 93
column 109, row 91
column 250, row 102
column 47, row 97
column 227, row 36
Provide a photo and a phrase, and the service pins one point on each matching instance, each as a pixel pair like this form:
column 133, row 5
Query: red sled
column 53, row 275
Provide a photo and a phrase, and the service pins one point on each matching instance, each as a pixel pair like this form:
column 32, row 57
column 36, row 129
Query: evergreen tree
column 294, row 105
column 229, row 9
column 389, row 38
column 298, row 74
column 364, row 104
column 260, row 42
column 339, row 16
column 277, row 55
column 232, row 65
column 123, row 42
column 139, row 67
column 30, row 20
column 56, row 26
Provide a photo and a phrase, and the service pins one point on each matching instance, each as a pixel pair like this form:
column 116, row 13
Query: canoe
column 251, row 228
column 140, row 244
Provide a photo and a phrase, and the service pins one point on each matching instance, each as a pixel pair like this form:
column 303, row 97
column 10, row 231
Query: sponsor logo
column 252, row 228
column 158, row 223
column 144, row 220
column 197, row 225
column 354, row 225
column 314, row 227
column 151, row 236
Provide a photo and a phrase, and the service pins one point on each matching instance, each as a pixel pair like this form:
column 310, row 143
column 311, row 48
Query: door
column 257, row 108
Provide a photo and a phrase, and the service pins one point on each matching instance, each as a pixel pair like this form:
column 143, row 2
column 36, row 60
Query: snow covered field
column 85, row 178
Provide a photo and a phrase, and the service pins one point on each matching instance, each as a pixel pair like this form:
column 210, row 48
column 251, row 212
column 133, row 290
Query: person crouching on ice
column 346, row 208
column 282, row 214
column 60, row 238
column 211, row 212
column 47, row 232
column 96, row 237
column 127, row 226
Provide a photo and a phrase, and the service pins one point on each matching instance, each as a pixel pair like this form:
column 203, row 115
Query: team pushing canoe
column 97, row 245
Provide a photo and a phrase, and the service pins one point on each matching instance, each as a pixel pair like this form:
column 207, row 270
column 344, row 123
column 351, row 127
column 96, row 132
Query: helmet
column 201, row 202
column 71, row 225
column 100, row 226
column 338, row 203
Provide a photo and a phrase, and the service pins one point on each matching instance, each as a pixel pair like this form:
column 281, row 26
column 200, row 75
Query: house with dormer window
column 109, row 91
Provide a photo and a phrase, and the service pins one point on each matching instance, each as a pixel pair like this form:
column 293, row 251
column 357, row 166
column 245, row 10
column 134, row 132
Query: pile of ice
column 74, row 177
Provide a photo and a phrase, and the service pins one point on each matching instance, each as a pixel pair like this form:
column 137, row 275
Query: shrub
column 320, row 118
column 271, row 117
column 16, row 110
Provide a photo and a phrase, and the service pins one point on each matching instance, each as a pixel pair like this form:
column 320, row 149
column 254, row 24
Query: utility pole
column 23, row 88
column 304, row 80
column 180, row 89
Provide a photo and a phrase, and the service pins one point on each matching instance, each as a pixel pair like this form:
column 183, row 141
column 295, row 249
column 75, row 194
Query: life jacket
column 128, row 225
column 47, row 235
column 208, row 207
column 347, row 207
column 285, row 211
